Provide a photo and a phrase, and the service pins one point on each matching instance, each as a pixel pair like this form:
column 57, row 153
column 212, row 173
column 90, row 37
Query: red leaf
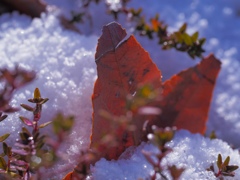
column 122, row 66
column 187, row 97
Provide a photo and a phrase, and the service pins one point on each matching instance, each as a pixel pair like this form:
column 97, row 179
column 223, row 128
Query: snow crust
column 65, row 67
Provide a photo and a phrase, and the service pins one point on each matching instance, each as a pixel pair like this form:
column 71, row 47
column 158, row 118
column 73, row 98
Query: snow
column 190, row 151
column 65, row 67
column 64, row 63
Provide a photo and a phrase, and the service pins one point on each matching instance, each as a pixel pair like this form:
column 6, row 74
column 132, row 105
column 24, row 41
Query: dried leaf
column 122, row 65
column 187, row 96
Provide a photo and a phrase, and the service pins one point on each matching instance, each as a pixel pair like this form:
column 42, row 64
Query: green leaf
column 187, row 39
column 3, row 117
column 3, row 137
column 67, row 125
column 231, row 168
column 36, row 135
column 195, row 37
column 3, row 164
column 202, row 41
column 25, row 130
column 24, row 136
column 183, row 28
column 219, row 161
column 37, row 93
column 56, row 123
column 226, row 162
column 28, row 108
column 5, row 148
column 61, row 123
column 43, row 101
column 213, row 135
column 179, row 37
column 45, row 124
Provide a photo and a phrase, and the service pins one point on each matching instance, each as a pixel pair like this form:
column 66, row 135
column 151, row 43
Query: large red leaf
column 122, row 65
column 187, row 97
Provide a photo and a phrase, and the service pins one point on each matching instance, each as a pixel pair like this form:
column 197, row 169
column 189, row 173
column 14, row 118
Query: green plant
column 224, row 169
column 34, row 150
column 153, row 28
column 159, row 138
column 10, row 81
column 179, row 40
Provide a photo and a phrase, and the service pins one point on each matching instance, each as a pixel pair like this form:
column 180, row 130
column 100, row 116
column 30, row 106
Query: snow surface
column 64, row 62
column 190, row 151
column 65, row 67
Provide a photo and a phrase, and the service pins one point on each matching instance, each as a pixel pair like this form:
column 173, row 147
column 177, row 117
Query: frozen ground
column 64, row 62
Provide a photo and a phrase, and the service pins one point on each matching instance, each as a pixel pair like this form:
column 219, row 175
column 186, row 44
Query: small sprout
column 37, row 97
column 37, row 94
column 143, row 96
column 161, row 136
column 213, row 135
column 224, row 169
column 62, row 124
